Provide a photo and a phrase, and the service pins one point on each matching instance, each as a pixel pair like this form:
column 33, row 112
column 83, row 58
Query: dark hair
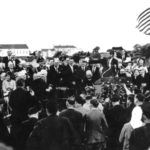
column 131, row 98
column 94, row 102
column 20, row 82
column 111, row 52
column 80, row 100
column 33, row 110
column 115, row 98
column 8, row 74
column 52, row 107
column 71, row 100
column 140, row 97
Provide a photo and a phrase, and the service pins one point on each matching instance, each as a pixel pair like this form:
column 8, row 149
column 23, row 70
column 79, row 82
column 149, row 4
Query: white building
column 18, row 50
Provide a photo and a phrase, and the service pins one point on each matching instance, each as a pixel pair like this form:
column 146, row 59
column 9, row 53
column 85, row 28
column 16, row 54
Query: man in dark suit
column 53, row 76
column 80, row 75
column 140, row 137
column 76, row 119
column 95, row 72
column 69, row 74
column 26, row 128
column 20, row 101
column 95, row 123
column 116, row 119
column 51, row 133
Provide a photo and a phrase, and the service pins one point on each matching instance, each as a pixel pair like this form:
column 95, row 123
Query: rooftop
column 64, row 46
column 13, row 46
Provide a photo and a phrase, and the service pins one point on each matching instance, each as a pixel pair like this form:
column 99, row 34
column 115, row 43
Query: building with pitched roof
column 18, row 50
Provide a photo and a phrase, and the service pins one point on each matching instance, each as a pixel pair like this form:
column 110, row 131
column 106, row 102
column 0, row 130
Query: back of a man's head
column 51, row 107
column 94, row 103
column 20, row 83
column 140, row 97
column 71, row 100
column 80, row 100
column 115, row 98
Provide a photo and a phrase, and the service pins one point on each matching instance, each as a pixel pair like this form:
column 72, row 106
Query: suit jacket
column 53, row 77
column 68, row 76
column 136, row 81
column 80, row 74
column 76, row 119
column 21, row 132
column 20, row 101
column 94, row 126
column 96, row 74
column 140, row 138
column 51, row 133
column 116, row 119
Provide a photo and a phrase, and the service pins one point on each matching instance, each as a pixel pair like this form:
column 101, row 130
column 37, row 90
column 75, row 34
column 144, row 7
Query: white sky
column 83, row 23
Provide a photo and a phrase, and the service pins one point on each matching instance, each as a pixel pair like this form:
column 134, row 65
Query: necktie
column 72, row 68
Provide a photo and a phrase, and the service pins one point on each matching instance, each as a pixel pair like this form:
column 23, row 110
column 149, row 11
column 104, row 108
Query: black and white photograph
column 75, row 75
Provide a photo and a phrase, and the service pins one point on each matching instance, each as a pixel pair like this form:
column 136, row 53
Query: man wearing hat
column 140, row 137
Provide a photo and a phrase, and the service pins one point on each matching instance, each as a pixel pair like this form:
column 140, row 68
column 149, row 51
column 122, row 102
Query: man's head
column 94, row 103
column 20, row 83
column 10, row 65
column 56, row 62
column 71, row 62
column 8, row 76
column 130, row 100
column 115, row 100
column 111, row 53
column 79, row 101
column 89, row 74
column 136, row 72
column 9, row 53
column 141, row 62
column 51, row 107
column 33, row 112
column 82, row 63
column 139, row 99
column 40, row 54
column 70, row 102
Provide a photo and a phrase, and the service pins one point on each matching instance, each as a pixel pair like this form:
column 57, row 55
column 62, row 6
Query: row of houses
column 17, row 50
column 22, row 50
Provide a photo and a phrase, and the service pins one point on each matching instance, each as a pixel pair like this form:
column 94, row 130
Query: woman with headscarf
column 127, row 129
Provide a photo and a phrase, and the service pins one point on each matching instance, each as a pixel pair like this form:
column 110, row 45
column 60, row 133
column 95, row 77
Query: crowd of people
column 64, row 104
